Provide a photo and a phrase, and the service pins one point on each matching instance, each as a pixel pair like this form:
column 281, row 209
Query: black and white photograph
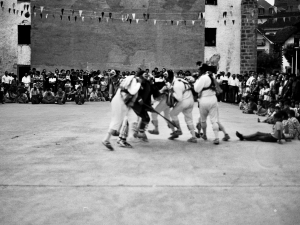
column 149, row 112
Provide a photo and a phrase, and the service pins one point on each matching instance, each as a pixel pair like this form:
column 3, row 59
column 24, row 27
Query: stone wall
column 89, row 44
column 12, row 54
column 225, row 55
column 248, row 36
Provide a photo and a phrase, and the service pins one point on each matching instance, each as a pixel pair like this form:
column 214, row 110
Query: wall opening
column 24, row 34
column 210, row 37
column 22, row 69
column 211, row 2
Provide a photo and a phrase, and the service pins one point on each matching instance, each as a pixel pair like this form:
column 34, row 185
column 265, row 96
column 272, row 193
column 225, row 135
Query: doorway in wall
column 22, row 69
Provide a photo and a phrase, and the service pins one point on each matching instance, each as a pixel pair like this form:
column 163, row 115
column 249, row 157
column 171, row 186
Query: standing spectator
column 73, row 78
column 85, row 83
column 52, row 82
column 224, row 86
column 2, row 93
column 233, row 87
column 6, row 82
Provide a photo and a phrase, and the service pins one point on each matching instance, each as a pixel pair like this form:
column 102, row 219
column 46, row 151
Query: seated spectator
column 275, row 136
column 35, row 95
column 41, row 94
column 93, row 96
column 22, row 94
column 79, row 96
column 287, row 106
column 60, row 97
column 71, row 95
column 288, row 129
column 68, row 87
column 271, row 112
column 89, row 91
column 100, row 95
column 260, row 110
column 251, row 107
column 243, row 104
column 10, row 97
column 294, row 122
column 49, row 97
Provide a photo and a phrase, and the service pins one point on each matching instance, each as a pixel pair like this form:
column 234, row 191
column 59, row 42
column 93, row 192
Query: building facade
column 129, row 34
column 15, row 45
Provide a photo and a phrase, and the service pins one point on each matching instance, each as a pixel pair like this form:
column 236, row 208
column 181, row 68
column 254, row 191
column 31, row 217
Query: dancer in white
column 185, row 104
column 206, row 88
column 120, row 105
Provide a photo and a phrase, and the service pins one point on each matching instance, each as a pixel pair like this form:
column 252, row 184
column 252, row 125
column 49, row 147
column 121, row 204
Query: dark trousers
column 232, row 93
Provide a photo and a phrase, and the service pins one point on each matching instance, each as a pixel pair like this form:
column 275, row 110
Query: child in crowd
column 275, row 136
column 60, row 97
column 295, row 122
column 251, row 107
column 35, row 95
column 267, row 97
column 243, row 104
column 49, row 97
column 100, row 95
column 280, row 89
column 93, row 96
column 90, row 90
column 71, row 95
column 288, row 129
column 77, row 85
column 271, row 112
column 261, row 111
column 79, row 96
column 68, row 87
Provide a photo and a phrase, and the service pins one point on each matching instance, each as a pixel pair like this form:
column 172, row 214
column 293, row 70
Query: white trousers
column 186, row 106
column 209, row 107
column 118, row 112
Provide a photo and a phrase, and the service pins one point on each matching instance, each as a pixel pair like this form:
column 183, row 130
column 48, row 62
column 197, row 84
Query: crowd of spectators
column 260, row 94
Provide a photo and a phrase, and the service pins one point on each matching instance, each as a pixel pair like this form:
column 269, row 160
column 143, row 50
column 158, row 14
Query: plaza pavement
column 54, row 170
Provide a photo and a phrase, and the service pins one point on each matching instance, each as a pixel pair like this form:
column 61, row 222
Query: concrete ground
column 54, row 170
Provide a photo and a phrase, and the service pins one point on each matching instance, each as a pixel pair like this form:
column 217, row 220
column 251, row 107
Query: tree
column 269, row 62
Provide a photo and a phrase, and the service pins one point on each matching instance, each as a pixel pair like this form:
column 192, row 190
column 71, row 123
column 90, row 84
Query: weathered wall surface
column 10, row 53
column 249, row 36
column 228, row 40
column 89, row 44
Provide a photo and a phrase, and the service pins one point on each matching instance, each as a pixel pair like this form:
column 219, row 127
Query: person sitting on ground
column 22, row 94
column 288, row 128
column 243, row 104
column 68, row 87
column 60, row 97
column 79, row 96
column 287, row 106
column 49, row 97
column 275, row 136
column 251, row 107
column 294, row 122
column 89, row 91
column 71, row 95
column 41, row 94
column 260, row 110
column 35, row 95
column 93, row 96
column 100, row 95
column 270, row 113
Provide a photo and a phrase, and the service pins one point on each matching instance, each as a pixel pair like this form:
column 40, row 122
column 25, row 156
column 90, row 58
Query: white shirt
column 179, row 88
column 233, row 82
column 204, row 82
column 52, row 80
column 26, row 80
column 6, row 79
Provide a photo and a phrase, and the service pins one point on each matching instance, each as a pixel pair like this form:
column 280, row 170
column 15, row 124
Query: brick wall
column 116, row 44
column 248, row 36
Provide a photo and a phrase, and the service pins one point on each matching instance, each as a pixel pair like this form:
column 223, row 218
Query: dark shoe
column 154, row 132
column 258, row 120
column 216, row 141
column 173, row 137
column 108, row 145
column 204, row 137
column 177, row 133
column 226, row 137
column 240, row 136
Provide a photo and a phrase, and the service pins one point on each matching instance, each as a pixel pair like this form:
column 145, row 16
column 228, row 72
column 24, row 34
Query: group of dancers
column 174, row 95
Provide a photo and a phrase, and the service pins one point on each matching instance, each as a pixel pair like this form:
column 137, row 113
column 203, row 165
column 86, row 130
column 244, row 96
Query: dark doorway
column 22, row 70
